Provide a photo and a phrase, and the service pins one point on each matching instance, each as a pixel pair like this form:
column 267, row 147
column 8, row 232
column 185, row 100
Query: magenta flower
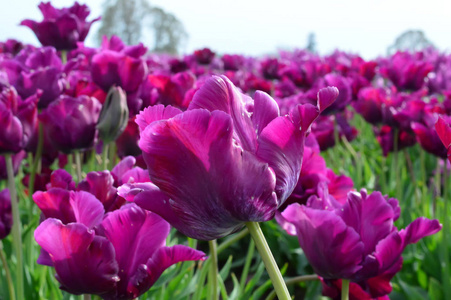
column 120, row 259
column 6, row 218
column 33, row 70
column 70, row 123
column 120, row 65
column 227, row 160
column 356, row 240
column 18, row 120
column 204, row 56
column 61, row 28
column 427, row 136
column 443, row 127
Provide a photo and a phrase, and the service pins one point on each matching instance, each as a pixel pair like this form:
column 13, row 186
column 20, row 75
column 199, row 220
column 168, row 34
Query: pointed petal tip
column 326, row 97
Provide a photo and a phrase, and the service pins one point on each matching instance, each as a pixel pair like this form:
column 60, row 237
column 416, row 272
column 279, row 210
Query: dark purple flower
column 11, row 46
column 427, row 136
column 100, row 184
column 6, row 218
column 70, row 123
column 18, row 120
column 406, row 71
column 120, row 65
column 443, row 127
column 34, row 70
column 227, row 160
column 121, row 259
column 356, row 240
column 204, row 56
column 61, row 28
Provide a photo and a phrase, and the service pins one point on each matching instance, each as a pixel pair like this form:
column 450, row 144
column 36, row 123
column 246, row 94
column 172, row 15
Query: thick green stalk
column 16, row 230
column 344, row 289
column 268, row 260
column 64, row 56
column 9, row 280
column 446, row 237
column 105, row 156
column 213, row 275
column 78, row 165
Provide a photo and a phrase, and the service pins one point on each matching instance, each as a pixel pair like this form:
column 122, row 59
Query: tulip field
column 129, row 174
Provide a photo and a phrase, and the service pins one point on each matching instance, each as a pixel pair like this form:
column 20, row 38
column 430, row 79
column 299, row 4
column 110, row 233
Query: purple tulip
column 61, row 28
column 227, row 160
column 356, row 240
column 120, row 65
column 6, row 218
column 11, row 47
column 443, row 128
column 18, row 120
column 100, row 184
column 204, row 56
column 70, row 123
column 427, row 136
column 121, row 259
column 33, row 70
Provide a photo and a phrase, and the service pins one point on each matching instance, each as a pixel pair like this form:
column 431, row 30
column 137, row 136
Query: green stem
column 105, row 156
column 77, row 155
column 232, row 240
column 344, row 289
column 36, row 161
column 247, row 264
column 268, row 260
column 17, row 237
column 438, row 186
column 446, row 266
column 213, row 275
column 86, row 297
column 64, row 56
column 383, row 182
column 295, row 280
column 9, row 280
column 414, row 180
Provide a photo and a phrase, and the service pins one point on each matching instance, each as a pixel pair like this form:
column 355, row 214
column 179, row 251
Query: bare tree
column 411, row 40
column 132, row 19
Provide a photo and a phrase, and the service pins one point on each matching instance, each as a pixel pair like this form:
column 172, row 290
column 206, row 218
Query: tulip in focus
column 227, row 160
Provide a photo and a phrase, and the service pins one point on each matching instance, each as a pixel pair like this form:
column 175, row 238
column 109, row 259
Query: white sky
column 255, row 27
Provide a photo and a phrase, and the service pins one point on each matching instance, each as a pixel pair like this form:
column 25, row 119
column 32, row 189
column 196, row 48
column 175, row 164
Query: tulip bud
column 114, row 115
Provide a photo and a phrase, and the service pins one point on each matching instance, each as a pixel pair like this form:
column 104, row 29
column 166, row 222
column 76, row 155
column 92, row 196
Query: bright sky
column 253, row 27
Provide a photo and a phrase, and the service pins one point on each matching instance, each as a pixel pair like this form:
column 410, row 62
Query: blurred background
column 367, row 28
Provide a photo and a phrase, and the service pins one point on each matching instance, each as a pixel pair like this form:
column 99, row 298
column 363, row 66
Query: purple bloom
column 61, row 28
column 121, row 259
column 427, row 136
column 70, row 123
column 227, row 160
column 18, row 120
column 6, row 218
column 204, row 56
column 36, row 69
column 356, row 240
column 120, row 65
column 443, row 127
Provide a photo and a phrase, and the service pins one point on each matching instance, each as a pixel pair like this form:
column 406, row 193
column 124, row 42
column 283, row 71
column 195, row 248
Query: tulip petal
column 333, row 248
column 188, row 157
column 88, row 210
column 155, row 113
column 84, row 263
column 265, row 110
column 135, row 231
column 218, row 93
column 419, row 229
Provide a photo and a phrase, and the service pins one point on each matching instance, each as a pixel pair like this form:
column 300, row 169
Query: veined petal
column 88, row 210
column 84, row 263
column 218, row 93
column 155, row 113
column 214, row 185
column 265, row 110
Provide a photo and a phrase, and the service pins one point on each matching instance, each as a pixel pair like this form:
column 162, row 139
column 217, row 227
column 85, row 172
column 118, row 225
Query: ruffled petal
column 84, row 263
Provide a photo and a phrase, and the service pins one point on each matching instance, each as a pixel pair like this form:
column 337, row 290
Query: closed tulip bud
column 114, row 115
